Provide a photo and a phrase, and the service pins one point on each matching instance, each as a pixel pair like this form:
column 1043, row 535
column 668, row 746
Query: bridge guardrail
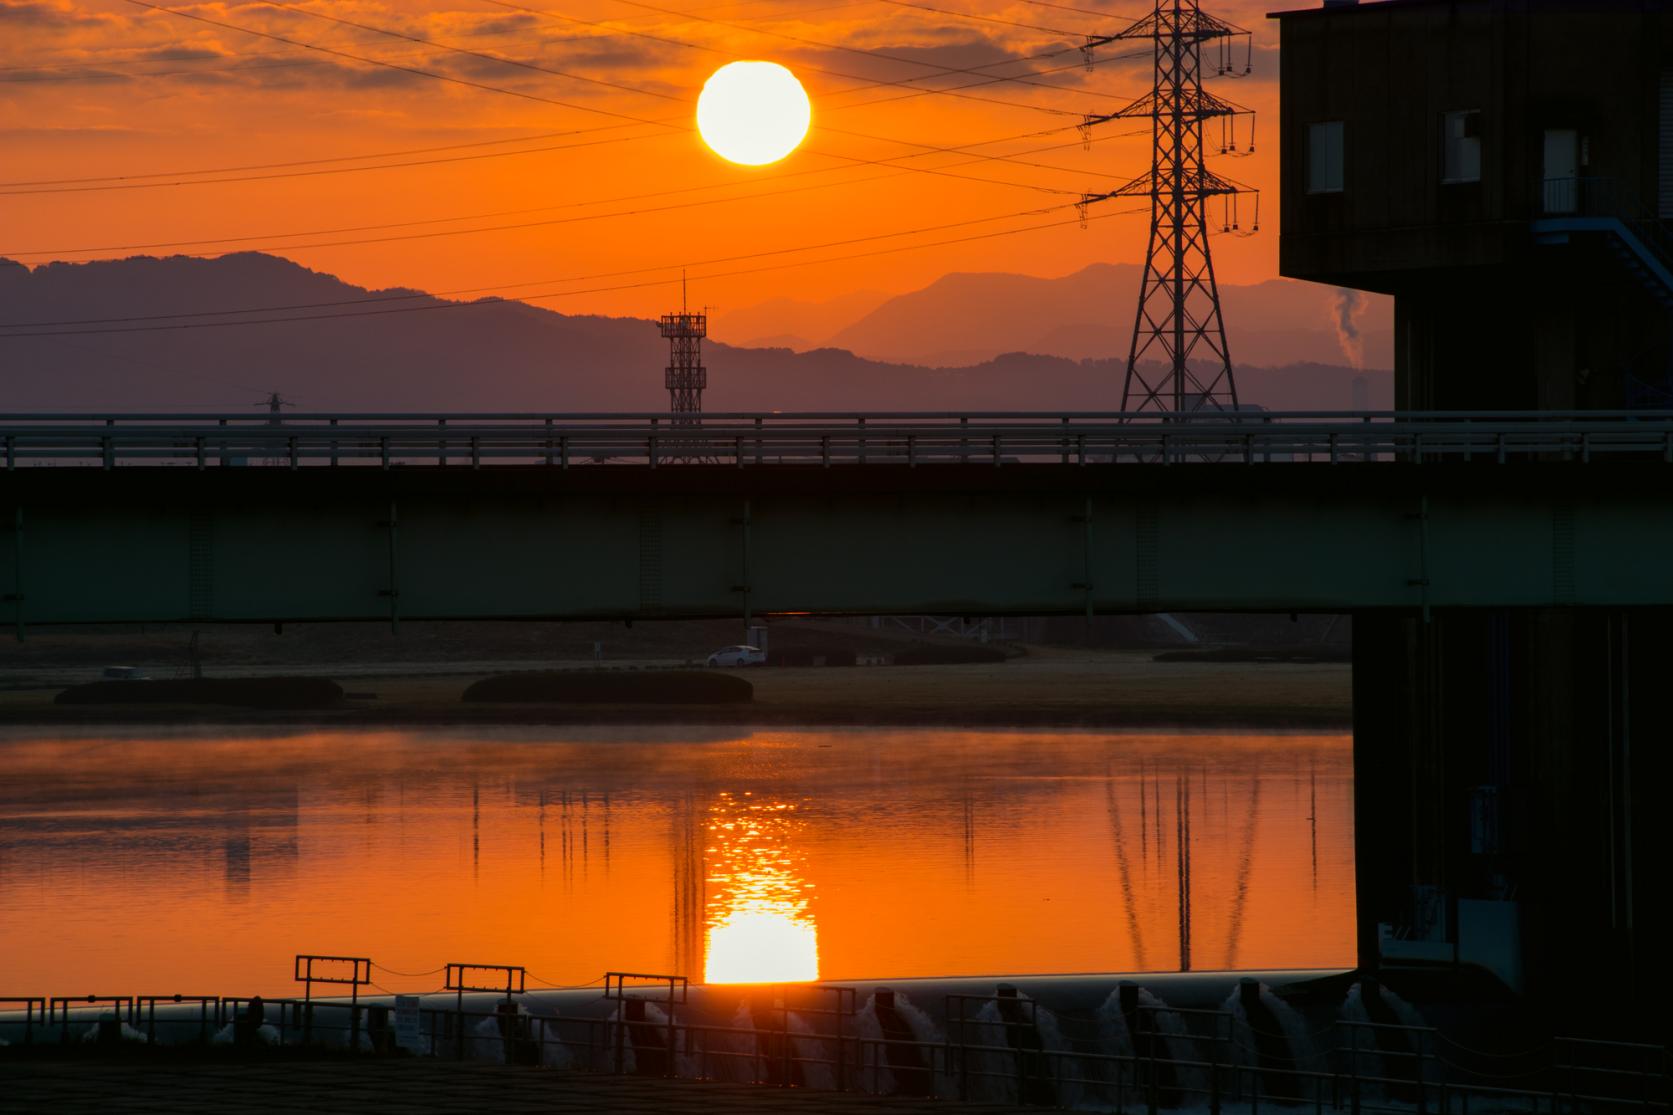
column 827, row 440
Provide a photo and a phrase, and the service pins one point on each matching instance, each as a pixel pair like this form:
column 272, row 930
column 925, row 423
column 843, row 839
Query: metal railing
column 811, row 1038
column 1610, row 199
column 827, row 440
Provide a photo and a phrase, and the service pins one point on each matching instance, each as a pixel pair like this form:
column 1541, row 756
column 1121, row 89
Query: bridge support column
column 1509, row 770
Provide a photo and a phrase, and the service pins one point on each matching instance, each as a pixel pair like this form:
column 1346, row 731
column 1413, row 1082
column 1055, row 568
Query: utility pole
column 1178, row 322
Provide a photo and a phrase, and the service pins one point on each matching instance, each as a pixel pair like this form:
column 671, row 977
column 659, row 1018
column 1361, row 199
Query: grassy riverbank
column 1044, row 687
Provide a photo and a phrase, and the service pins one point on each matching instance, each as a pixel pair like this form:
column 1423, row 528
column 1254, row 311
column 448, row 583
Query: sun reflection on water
column 760, row 925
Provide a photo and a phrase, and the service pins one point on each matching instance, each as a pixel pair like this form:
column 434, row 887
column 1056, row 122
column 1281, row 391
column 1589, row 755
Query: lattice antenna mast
column 686, row 376
column 1179, row 323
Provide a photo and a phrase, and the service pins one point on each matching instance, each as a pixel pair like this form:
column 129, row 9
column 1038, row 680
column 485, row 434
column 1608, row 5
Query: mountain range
column 963, row 319
column 330, row 345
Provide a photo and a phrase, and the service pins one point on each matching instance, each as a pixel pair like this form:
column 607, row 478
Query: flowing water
column 145, row 862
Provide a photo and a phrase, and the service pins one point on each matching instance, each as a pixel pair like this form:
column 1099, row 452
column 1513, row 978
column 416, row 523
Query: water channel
column 153, row 862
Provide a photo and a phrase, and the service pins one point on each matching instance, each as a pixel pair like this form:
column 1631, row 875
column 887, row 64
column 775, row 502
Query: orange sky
column 111, row 88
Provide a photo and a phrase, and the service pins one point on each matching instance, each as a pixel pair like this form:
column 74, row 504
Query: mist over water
column 200, row 863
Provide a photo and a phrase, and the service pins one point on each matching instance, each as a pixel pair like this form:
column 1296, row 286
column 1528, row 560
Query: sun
column 753, row 113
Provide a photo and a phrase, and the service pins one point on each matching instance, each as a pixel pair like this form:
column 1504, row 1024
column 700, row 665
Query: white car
column 738, row 656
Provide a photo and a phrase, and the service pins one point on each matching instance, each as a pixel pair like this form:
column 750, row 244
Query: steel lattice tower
column 686, row 377
column 1179, row 320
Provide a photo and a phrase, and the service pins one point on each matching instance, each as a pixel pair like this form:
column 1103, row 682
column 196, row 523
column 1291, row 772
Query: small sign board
column 407, row 1034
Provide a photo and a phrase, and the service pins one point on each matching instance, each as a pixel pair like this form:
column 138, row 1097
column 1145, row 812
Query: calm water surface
column 146, row 863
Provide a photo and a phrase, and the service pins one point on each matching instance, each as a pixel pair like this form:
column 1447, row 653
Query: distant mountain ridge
column 969, row 317
column 407, row 351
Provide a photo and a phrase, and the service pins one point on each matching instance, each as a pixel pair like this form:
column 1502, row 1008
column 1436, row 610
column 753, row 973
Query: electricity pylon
column 1179, row 321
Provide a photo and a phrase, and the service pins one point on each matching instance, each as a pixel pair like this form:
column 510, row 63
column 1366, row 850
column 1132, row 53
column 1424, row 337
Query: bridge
column 227, row 518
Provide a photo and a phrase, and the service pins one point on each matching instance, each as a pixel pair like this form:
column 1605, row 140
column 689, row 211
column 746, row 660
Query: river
column 200, row 862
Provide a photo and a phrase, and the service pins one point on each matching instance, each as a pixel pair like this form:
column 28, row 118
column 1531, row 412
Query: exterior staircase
column 1587, row 206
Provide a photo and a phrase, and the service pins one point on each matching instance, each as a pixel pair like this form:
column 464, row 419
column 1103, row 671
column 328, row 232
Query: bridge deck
column 277, row 544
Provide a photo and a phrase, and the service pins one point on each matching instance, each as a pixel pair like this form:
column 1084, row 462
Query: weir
column 1040, row 1041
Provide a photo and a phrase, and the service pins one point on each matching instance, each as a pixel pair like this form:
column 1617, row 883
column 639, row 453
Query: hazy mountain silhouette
column 495, row 356
column 967, row 318
column 791, row 322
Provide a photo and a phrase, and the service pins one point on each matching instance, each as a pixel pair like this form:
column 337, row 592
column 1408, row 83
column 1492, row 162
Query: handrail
column 246, row 418
column 827, row 440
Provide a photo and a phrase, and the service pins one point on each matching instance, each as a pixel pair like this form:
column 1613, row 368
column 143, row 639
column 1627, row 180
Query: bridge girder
column 275, row 545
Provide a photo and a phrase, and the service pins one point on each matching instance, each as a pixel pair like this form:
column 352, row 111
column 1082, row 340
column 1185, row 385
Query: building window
column 1461, row 146
column 1324, row 157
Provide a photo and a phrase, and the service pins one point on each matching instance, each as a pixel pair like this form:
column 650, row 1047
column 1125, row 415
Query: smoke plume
column 1349, row 305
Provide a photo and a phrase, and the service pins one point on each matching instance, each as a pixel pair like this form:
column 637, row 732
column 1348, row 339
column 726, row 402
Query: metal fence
column 1001, row 1049
column 827, row 440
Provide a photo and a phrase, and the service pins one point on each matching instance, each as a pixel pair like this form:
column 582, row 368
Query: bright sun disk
column 753, row 113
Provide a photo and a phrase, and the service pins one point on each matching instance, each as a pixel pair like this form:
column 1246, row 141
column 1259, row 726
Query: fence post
column 1155, row 1092
column 1214, row 1072
column 673, row 1052
column 1353, row 1069
column 621, row 1035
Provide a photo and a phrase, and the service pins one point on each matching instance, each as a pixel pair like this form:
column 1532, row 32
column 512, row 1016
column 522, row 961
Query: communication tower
column 686, row 376
column 1179, row 321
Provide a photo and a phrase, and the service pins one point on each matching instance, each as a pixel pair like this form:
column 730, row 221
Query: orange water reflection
column 201, row 864
column 760, row 927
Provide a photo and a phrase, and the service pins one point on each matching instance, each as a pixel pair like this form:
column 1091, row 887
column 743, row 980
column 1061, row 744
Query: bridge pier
column 1510, row 767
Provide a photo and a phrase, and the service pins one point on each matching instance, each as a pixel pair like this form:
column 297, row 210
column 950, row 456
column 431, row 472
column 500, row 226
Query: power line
column 120, row 185
column 416, row 71
column 597, row 81
column 981, row 18
column 381, row 298
column 909, row 83
column 1083, row 11
column 169, row 179
column 573, row 293
column 306, row 162
column 274, row 236
column 40, row 72
column 611, row 27
column 640, row 212
column 469, row 53
column 681, row 127
column 37, row 76
column 166, row 179
column 804, row 41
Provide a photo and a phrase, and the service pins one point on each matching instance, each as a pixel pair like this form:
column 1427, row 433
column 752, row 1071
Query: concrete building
column 1503, row 168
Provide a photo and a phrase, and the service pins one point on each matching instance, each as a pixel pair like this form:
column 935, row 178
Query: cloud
column 84, row 134
column 40, row 13
column 914, row 50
